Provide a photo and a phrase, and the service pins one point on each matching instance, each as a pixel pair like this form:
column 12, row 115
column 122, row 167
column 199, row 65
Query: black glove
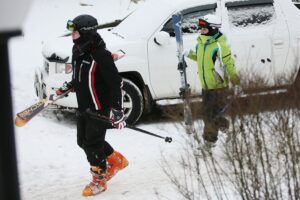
column 118, row 118
column 65, row 87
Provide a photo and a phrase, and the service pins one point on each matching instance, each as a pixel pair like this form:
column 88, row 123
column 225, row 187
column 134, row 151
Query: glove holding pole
column 65, row 87
column 117, row 118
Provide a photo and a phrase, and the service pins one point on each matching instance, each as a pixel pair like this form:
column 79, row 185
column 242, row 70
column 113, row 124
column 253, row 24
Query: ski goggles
column 202, row 23
column 71, row 26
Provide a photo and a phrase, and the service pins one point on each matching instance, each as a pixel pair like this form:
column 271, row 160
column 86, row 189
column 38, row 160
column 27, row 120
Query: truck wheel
column 133, row 101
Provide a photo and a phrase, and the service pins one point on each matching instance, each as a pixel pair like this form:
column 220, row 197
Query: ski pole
column 167, row 139
column 108, row 120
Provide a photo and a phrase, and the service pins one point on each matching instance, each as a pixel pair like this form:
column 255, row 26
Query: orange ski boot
column 98, row 183
column 116, row 162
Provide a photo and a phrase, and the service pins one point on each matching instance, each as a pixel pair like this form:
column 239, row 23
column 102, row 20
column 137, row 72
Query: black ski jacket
column 96, row 80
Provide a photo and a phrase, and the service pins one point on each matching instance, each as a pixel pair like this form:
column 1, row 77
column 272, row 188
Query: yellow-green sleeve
column 192, row 55
column 228, row 62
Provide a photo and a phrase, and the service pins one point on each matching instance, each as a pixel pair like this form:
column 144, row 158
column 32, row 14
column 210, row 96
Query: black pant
column 91, row 138
column 214, row 102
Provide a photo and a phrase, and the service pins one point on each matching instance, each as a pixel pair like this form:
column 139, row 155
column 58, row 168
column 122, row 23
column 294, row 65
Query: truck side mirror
column 85, row 3
column 162, row 38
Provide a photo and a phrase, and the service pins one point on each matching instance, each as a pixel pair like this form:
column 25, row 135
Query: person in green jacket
column 215, row 69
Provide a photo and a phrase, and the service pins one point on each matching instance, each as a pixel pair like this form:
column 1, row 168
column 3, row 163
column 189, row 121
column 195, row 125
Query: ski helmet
column 82, row 24
column 209, row 20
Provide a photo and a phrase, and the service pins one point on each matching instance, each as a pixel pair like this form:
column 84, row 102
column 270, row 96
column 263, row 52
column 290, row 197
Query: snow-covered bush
column 261, row 161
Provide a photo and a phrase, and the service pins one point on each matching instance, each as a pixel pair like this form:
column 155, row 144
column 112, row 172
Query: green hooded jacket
column 215, row 64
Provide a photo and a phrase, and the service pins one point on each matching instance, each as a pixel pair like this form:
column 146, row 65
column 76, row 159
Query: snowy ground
column 51, row 165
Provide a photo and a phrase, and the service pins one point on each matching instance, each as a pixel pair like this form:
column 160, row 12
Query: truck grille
column 46, row 66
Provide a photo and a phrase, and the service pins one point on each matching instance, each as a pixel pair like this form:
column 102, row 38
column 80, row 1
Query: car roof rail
column 247, row 3
column 199, row 8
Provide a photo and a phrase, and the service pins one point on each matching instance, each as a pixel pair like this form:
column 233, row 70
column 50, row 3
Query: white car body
column 266, row 47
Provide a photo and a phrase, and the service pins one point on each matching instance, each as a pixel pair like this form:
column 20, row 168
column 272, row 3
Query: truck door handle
column 278, row 42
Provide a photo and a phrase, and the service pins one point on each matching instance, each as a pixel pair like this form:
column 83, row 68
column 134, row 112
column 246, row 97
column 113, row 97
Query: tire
column 133, row 101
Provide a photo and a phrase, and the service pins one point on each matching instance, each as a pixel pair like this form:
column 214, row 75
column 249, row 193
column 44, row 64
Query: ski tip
column 19, row 122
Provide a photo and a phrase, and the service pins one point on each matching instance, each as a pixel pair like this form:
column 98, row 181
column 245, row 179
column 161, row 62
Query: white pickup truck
column 264, row 36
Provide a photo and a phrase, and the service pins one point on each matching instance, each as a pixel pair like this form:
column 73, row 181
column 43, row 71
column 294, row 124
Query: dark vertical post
column 9, row 185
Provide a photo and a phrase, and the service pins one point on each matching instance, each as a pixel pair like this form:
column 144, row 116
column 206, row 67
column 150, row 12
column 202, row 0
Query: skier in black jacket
column 98, row 87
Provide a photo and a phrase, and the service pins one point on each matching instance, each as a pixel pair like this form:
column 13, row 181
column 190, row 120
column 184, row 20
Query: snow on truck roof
column 153, row 11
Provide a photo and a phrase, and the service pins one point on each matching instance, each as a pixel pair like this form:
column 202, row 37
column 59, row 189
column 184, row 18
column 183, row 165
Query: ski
column 102, row 26
column 185, row 87
column 26, row 115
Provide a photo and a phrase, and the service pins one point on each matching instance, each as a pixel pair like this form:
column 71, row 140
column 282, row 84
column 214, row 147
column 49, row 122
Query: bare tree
column 261, row 161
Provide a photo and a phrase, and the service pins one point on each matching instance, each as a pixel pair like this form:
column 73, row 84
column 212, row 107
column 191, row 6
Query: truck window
column 251, row 15
column 189, row 19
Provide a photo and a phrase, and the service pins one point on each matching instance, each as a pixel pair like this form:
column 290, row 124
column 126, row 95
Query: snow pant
column 91, row 138
column 214, row 102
